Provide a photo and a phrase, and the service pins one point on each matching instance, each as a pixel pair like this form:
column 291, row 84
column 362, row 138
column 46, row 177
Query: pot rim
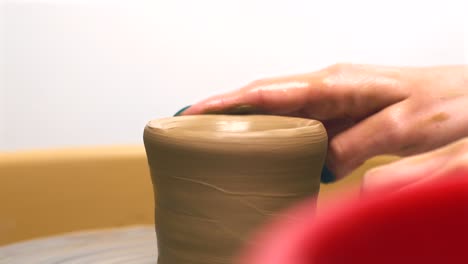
column 237, row 127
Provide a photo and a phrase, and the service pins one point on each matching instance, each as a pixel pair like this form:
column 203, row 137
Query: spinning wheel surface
column 119, row 245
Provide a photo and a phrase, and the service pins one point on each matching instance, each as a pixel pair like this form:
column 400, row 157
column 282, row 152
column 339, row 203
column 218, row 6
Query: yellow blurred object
column 55, row 191
column 50, row 192
column 351, row 185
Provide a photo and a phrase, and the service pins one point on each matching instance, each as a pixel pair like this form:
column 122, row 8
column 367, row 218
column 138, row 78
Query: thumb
column 439, row 164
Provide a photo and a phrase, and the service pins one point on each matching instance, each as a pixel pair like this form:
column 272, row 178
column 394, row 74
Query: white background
column 94, row 72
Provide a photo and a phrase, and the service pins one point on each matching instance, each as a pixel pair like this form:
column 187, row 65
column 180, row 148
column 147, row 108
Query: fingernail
column 182, row 110
column 327, row 176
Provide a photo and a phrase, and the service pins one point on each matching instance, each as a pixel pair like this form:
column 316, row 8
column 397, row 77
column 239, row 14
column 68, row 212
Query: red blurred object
column 423, row 224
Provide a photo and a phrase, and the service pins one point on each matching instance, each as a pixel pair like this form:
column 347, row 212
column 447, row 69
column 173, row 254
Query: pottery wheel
column 120, row 245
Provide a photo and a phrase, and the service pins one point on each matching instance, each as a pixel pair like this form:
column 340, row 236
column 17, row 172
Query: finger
column 276, row 95
column 356, row 91
column 335, row 92
column 336, row 126
column 381, row 133
column 401, row 173
column 419, row 169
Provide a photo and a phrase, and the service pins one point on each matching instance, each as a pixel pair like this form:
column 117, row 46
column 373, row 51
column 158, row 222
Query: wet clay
column 217, row 178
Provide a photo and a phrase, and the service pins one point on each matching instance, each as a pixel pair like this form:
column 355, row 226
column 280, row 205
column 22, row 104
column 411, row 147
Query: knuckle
column 339, row 68
column 337, row 75
column 337, row 151
column 394, row 127
column 340, row 158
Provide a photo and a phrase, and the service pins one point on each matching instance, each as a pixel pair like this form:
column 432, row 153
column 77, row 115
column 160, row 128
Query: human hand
column 445, row 163
column 367, row 110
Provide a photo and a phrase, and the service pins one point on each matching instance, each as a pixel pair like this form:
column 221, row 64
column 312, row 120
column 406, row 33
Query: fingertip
column 204, row 107
column 327, row 175
column 213, row 105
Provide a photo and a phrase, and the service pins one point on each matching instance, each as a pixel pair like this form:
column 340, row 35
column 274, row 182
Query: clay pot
column 217, row 178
